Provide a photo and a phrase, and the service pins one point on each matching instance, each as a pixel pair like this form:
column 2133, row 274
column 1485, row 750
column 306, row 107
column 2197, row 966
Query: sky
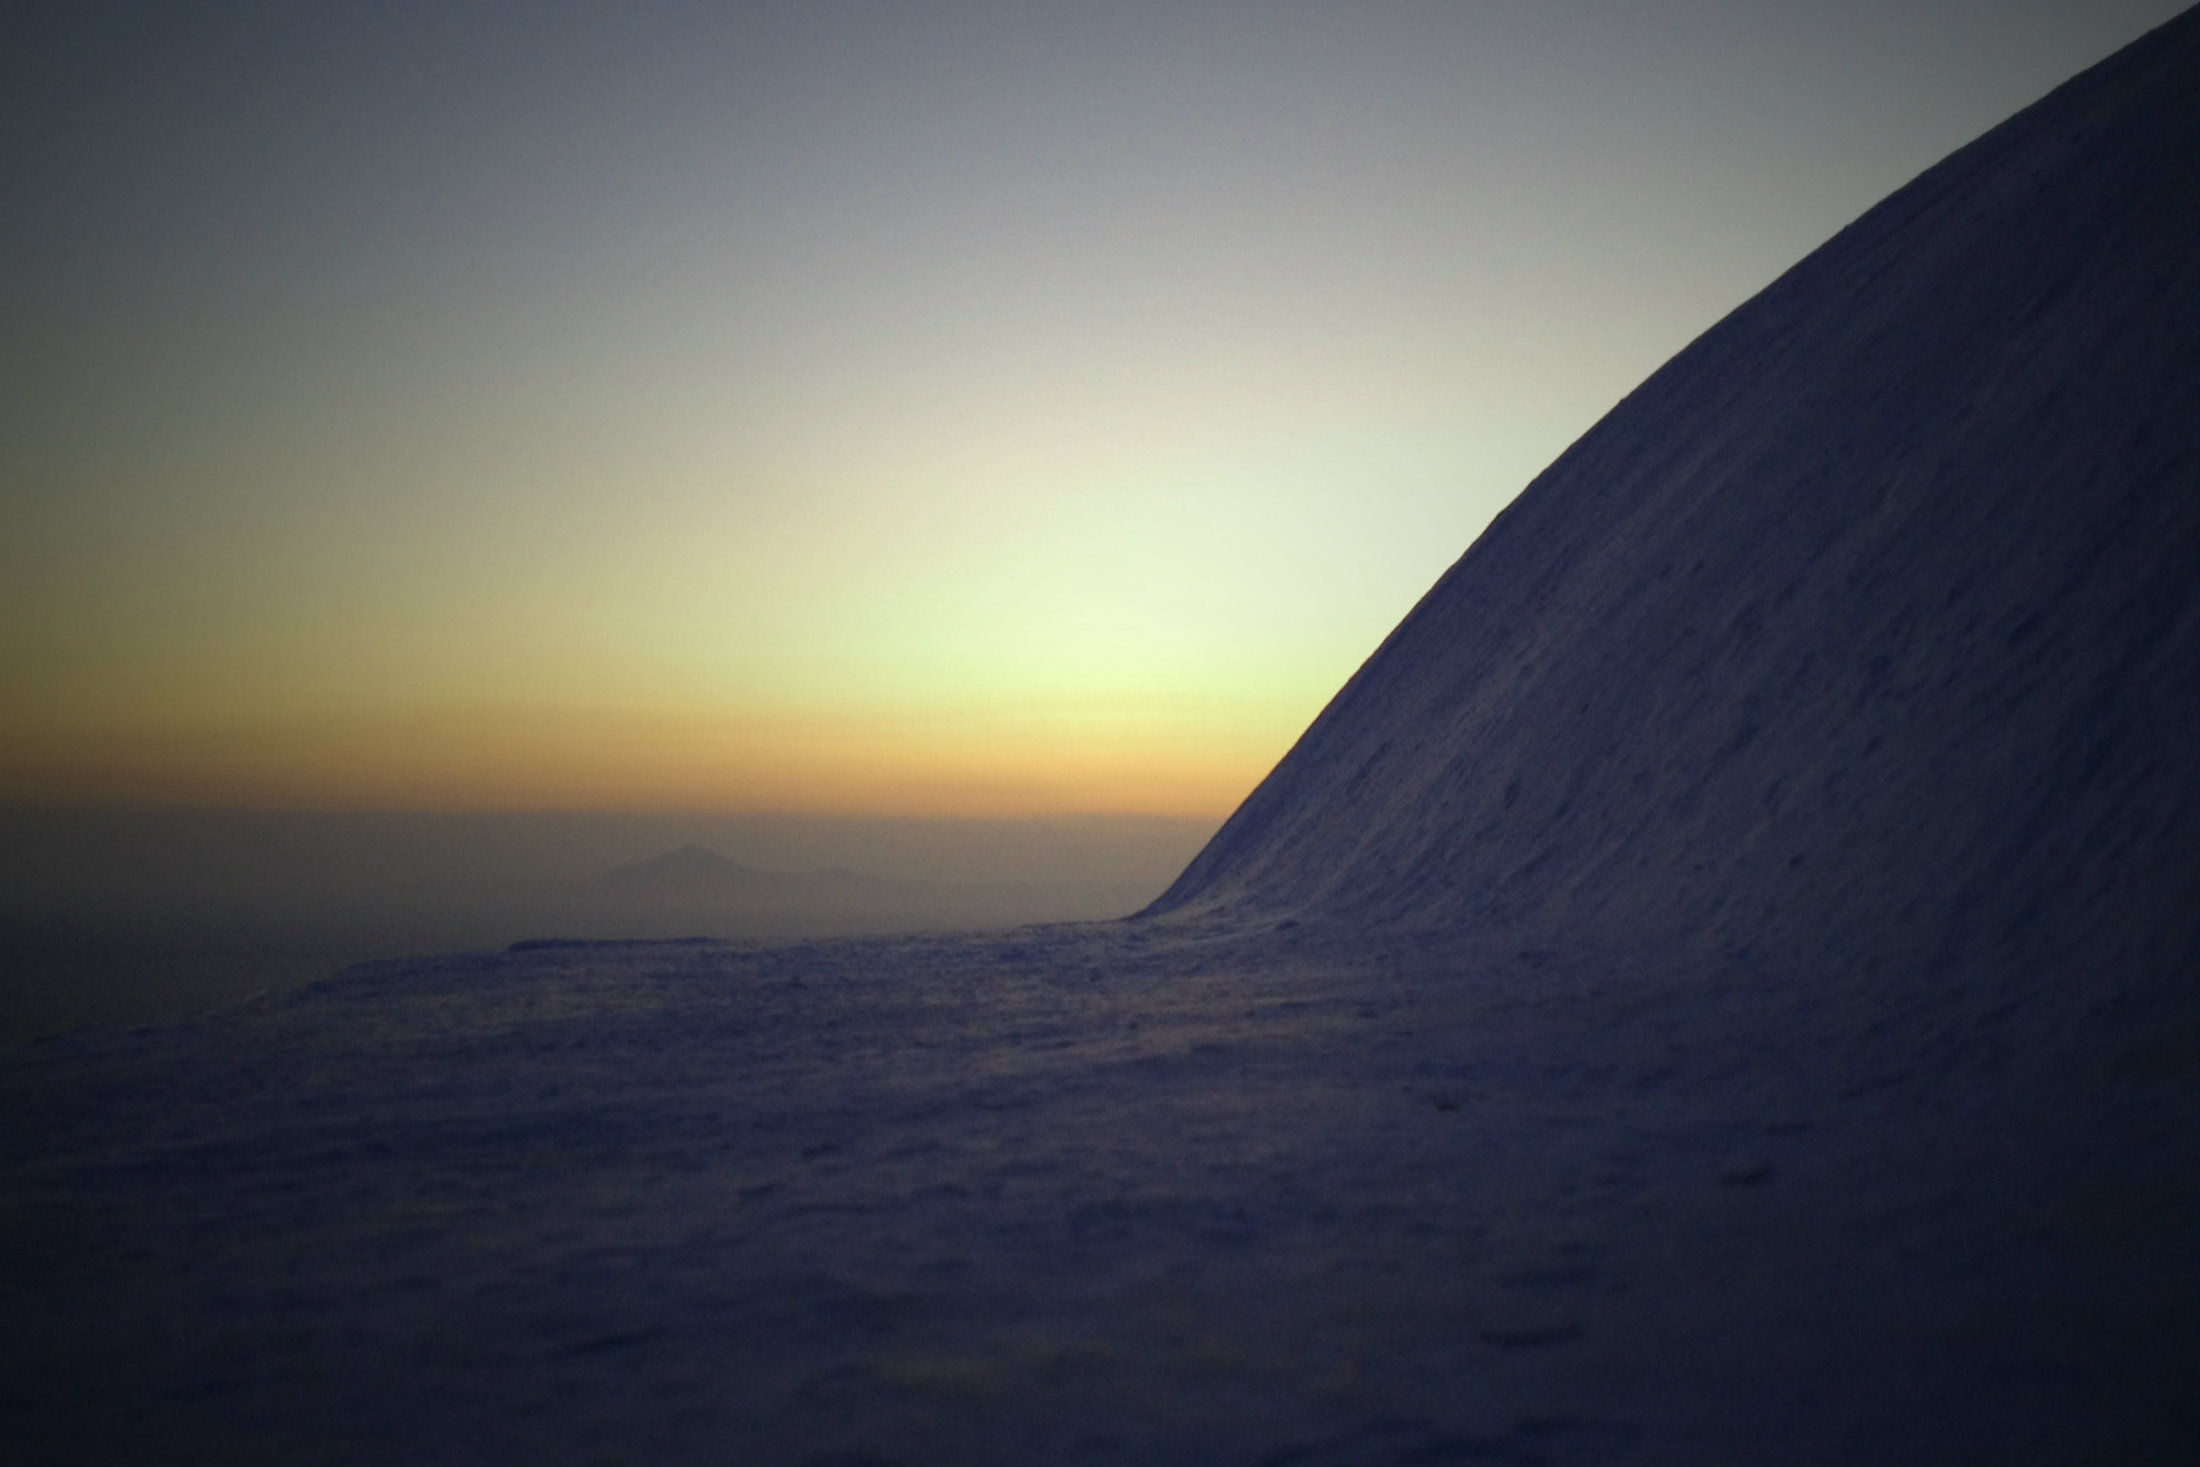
column 834, row 408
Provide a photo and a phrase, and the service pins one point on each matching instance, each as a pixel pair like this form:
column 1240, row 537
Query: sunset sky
column 926, row 409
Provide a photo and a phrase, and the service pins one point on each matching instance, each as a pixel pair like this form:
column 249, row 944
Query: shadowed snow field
column 1112, row 1193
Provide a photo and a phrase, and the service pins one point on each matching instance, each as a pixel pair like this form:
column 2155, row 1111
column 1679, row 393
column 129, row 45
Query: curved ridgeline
column 1868, row 626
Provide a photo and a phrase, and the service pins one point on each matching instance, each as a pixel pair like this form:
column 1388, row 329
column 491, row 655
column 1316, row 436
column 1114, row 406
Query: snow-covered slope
column 1869, row 625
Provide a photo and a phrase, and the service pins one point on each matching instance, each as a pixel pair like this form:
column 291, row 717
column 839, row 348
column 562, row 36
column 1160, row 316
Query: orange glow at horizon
column 971, row 764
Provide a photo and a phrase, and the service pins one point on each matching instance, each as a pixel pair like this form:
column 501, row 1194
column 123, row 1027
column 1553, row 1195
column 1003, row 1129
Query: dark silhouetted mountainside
column 1869, row 624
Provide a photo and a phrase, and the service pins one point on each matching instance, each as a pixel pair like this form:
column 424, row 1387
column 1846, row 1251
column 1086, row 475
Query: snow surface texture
column 1113, row 1193
column 1718, row 985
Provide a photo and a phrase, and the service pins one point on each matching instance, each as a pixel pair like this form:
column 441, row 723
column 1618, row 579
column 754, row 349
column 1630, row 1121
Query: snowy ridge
column 1871, row 622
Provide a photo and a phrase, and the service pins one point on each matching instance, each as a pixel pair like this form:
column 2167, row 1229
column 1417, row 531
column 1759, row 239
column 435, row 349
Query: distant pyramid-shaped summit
column 1870, row 622
column 690, row 869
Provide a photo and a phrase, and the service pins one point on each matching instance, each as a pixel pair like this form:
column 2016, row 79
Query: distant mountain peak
column 695, row 874
column 689, row 866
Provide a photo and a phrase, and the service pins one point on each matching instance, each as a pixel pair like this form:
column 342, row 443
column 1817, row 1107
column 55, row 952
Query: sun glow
column 782, row 406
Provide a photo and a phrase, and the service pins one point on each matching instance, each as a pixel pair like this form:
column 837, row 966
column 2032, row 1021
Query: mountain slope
column 1870, row 624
